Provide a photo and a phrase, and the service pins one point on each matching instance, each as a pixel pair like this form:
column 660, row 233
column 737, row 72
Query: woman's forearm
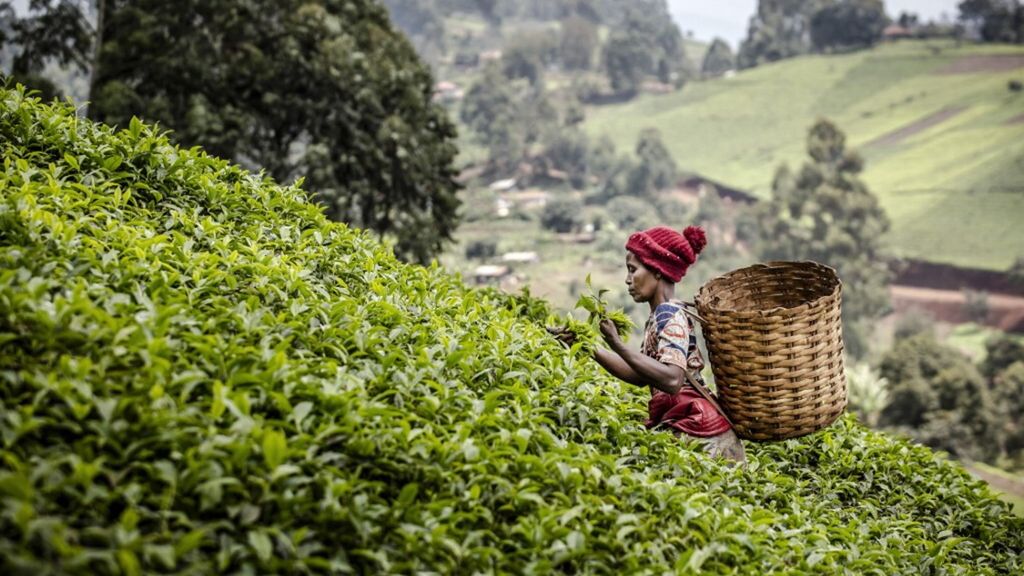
column 665, row 377
column 618, row 367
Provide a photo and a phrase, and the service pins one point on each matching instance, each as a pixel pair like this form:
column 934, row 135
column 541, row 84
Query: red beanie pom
column 698, row 240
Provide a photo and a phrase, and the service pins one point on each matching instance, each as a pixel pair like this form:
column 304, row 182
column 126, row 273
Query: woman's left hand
column 610, row 333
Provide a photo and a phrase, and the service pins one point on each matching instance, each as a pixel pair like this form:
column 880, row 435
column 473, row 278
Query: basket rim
column 701, row 298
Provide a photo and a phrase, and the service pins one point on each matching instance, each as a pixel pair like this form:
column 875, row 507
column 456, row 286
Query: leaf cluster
column 200, row 373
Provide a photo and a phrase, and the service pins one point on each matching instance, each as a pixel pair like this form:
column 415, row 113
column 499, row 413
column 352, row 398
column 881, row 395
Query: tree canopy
column 326, row 90
column 827, row 214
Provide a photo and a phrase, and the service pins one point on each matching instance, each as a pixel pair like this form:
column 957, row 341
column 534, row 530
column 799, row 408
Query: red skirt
column 686, row 411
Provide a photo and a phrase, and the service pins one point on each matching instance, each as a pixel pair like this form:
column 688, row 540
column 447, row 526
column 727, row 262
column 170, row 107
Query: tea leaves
column 199, row 373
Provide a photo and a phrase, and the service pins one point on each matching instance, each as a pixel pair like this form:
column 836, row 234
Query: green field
column 1015, row 498
column 952, row 181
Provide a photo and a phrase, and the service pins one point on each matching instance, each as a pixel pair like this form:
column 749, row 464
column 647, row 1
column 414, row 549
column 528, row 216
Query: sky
column 728, row 19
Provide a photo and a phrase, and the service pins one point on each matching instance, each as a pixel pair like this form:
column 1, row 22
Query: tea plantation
column 199, row 373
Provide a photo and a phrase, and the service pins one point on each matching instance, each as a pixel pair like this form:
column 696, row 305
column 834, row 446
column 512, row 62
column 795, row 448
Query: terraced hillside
column 200, row 374
column 942, row 134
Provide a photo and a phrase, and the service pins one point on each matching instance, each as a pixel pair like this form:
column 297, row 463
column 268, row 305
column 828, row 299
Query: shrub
column 562, row 214
column 199, row 373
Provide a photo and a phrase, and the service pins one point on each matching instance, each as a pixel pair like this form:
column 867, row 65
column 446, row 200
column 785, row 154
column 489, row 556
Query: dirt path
column 1001, row 483
column 983, row 63
column 901, row 134
column 1004, row 311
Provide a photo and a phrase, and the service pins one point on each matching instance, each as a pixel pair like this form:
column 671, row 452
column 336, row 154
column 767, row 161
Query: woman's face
column 641, row 282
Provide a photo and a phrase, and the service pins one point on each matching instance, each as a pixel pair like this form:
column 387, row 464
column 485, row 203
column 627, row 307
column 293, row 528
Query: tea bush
column 199, row 373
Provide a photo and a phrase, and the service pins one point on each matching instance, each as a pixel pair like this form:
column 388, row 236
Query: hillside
column 942, row 135
column 199, row 373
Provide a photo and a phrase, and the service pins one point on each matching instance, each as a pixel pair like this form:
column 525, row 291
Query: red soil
column 983, row 63
column 1004, row 312
column 901, row 134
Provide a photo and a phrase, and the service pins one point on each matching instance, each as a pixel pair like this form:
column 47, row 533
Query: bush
column 201, row 374
column 914, row 322
column 481, row 249
column 976, row 306
column 562, row 214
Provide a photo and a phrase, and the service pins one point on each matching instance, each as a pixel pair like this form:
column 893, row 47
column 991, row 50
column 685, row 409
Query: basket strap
column 708, row 396
column 692, row 313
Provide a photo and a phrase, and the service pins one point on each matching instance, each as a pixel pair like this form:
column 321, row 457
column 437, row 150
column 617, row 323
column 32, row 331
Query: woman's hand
column 610, row 334
column 564, row 335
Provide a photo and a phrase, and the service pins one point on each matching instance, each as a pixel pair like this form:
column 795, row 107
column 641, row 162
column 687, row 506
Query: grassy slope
column 953, row 178
column 201, row 374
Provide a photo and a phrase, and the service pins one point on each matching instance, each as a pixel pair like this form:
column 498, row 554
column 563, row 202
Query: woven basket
column 774, row 338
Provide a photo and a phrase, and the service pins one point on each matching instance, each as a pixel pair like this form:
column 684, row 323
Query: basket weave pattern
column 774, row 338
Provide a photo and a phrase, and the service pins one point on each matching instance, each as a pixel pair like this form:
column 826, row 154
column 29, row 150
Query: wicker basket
column 774, row 338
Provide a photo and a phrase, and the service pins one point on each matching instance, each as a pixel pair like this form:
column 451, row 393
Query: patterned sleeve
column 677, row 342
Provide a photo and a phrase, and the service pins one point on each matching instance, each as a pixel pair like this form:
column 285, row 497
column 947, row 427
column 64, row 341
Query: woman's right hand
column 564, row 335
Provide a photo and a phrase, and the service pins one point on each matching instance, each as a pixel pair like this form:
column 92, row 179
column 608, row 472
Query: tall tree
column 848, row 24
column 578, row 42
column 780, row 29
column 719, row 59
column 322, row 89
column 996, row 20
column 827, row 214
column 656, row 170
column 57, row 30
column 647, row 43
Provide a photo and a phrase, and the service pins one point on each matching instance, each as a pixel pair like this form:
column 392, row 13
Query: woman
column 656, row 260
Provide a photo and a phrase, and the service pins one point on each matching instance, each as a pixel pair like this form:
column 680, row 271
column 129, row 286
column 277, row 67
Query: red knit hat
column 664, row 250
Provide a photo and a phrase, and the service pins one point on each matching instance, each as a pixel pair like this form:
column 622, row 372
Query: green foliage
column 942, row 399
column 506, row 117
column 562, row 214
column 200, row 373
column 645, row 44
column 324, row 90
column 656, row 169
column 868, row 393
column 630, row 213
column 719, row 59
column 595, row 305
column 1001, row 351
column 579, row 40
column 781, row 29
column 850, row 24
column 827, row 214
column 997, row 20
column 52, row 29
column 870, row 94
column 914, row 322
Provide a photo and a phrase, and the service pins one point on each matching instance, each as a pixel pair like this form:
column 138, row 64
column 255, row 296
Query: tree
column 567, row 150
column 941, row 399
column 507, row 117
column 577, row 43
column 51, row 30
column 646, row 44
column 422, row 23
column 324, row 89
column 631, row 213
column 996, row 20
column 719, row 59
column 780, row 29
column 626, row 61
column 1001, row 352
column 563, row 214
column 656, row 170
column 827, row 214
column 848, row 24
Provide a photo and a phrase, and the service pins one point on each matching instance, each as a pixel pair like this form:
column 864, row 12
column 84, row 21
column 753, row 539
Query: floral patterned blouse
column 669, row 337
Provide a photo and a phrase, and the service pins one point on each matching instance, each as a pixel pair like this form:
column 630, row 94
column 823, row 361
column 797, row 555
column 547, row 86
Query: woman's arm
column 665, row 377
column 618, row 367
